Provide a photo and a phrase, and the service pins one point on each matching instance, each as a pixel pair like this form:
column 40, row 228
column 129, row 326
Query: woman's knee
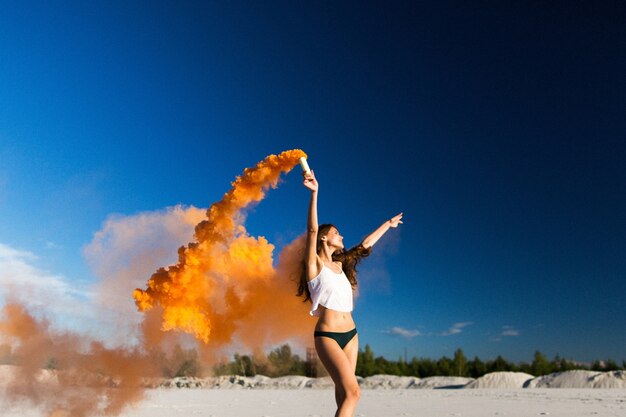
column 352, row 392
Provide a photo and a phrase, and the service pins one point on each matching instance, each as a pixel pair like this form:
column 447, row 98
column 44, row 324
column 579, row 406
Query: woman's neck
column 326, row 254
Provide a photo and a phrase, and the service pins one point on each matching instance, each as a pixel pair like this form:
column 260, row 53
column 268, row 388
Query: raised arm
column 373, row 237
column 311, row 258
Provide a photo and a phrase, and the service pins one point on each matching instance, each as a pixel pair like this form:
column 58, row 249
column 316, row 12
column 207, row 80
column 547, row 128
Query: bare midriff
column 334, row 321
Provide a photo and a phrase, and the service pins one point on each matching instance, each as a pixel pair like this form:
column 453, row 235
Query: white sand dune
column 388, row 382
column 285, row 382
column 321, row 383
column 495, row 380
column 302, row 382
column 501, row 380
column 580, row 379
column 242, row 382
column 440, row 382
column 614, row 379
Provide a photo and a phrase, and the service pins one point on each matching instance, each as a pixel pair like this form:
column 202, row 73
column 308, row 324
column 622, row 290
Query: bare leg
column 341, row 370
column 339, row 397
column 352, row 351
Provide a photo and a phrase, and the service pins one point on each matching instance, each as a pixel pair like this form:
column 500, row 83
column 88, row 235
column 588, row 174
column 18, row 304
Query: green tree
column 244, row 365
column 386, row 367
column 566, row 365
column 445, row 367
column 540, row 365
column 180, row 362
column 365, row 365
column 284, row 362
column 499, row 365
column 188, row 364
column 460, row 363
column 524, row 367
column 403, row 367
column 610, row 365
column 476, row 368
column 425, row 368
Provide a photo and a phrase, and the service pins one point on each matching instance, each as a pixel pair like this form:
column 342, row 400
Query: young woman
column 328, row 280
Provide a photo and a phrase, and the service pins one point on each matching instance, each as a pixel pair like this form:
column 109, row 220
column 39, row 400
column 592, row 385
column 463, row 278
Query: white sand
column 501, row 380
column 163, row 402
column 581, row 379
column 388, row 382
column 442, row 382
column 499, row 394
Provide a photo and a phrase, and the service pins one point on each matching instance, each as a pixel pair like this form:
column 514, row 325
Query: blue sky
column 497, row 129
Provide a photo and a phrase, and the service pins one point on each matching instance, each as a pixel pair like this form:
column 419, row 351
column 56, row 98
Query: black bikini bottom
column 342, row 338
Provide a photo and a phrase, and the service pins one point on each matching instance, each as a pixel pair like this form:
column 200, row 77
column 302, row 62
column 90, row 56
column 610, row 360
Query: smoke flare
column 226, row 277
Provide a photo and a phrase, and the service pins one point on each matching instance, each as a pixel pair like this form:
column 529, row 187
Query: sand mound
column 302, row 382
column 613, row 379
column 580, row 379
column 284, row 382
column 183, row 382
column 320, row 383
column 243, row 382
column 388, row 382
column 438, row 382
column 501, row 380
column 237, row 382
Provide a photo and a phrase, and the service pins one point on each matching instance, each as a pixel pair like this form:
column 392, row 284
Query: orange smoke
column 68, row 374
column 224, row 285
column 223, row 289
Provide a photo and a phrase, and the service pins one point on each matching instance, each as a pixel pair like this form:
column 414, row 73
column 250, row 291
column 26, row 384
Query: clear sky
column 497, row 128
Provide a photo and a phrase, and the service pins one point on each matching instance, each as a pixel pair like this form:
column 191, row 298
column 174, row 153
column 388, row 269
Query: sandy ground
column 164, row 402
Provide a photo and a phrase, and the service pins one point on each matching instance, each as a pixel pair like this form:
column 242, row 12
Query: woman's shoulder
column 315, row 271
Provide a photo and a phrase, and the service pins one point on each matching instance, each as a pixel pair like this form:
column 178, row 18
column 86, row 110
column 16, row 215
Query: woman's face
column 333, row 238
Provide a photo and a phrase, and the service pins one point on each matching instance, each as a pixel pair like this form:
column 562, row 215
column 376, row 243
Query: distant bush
column 280, row 362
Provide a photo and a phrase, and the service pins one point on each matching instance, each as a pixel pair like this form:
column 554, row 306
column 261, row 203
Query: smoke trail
column 224, row 285
column 69, row 374
column 124, row 252
column 223, row 289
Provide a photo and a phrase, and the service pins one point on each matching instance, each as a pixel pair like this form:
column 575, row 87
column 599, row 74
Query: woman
column 328, row 280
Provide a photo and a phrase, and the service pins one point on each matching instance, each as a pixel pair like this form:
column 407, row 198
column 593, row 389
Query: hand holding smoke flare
column 309, row 178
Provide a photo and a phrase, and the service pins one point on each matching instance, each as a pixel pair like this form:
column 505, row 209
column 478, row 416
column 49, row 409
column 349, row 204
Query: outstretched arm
column 311, row 259
column 373, row 237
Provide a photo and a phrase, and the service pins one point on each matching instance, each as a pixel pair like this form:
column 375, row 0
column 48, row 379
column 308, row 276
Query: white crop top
column 331, row 290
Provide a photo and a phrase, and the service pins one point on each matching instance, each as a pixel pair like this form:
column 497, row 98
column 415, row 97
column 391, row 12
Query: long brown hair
column 349, row 260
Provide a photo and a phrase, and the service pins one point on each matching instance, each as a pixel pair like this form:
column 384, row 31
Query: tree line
column 282, row 362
